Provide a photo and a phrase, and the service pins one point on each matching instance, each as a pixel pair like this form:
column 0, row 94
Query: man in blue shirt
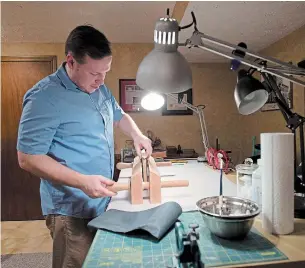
column 65, row 137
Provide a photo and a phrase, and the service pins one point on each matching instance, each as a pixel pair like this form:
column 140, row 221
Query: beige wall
column 213, row 86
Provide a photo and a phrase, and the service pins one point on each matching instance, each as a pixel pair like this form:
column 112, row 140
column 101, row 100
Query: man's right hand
column 44, row 166
column 95, row 186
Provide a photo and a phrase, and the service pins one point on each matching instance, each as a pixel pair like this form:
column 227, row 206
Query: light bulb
column 152, row 101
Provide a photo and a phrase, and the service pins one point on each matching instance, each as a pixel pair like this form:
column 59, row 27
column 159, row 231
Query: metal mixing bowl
column 235, row 218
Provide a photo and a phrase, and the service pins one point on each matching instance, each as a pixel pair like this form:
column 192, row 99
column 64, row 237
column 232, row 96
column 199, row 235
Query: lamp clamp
column 188, row 252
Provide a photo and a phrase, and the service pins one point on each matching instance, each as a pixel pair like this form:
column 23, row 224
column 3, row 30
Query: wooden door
column 20, row 198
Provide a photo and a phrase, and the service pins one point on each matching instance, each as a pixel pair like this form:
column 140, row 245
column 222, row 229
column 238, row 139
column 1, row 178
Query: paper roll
column 277, row 154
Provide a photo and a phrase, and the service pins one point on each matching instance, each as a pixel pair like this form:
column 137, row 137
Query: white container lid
column 246, row 169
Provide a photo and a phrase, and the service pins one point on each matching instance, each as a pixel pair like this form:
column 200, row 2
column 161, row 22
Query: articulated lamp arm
column 199, row 111
column 252, row 59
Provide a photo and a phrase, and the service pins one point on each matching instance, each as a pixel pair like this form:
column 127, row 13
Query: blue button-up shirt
column 74, row 128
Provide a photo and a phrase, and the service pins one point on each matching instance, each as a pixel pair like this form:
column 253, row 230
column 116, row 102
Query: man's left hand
column 142, row 142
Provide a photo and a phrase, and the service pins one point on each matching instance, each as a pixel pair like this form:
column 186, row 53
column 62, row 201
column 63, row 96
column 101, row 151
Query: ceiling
column 257, row 23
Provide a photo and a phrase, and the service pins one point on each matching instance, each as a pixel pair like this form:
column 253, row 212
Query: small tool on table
column 188, row 252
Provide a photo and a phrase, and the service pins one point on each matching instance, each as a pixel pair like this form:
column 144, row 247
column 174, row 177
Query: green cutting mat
column 141, row 250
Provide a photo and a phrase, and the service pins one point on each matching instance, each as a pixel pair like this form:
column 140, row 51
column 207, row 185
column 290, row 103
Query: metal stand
column 199, row 111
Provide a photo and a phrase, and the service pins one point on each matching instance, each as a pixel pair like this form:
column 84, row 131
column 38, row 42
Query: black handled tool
column 188, row 252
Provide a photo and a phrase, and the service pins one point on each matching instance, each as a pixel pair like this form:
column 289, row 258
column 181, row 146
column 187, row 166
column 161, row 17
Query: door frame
column 51, row 59
column 35, row 58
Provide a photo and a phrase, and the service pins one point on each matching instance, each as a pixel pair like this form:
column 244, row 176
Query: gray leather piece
column 157, row 221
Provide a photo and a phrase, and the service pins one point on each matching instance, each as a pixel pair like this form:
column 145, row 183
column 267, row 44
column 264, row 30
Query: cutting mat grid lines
column 138, row 249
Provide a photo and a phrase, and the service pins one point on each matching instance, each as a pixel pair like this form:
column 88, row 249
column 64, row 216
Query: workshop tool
column 140, row 249
column 145, row 185
column 122, row 165
column 188, row 252
column 213, row 160
column 145, row 176
column 127, row 155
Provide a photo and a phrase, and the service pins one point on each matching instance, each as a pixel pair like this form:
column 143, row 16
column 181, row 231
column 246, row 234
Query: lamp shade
column 164, row 69
column 162, row 72
column 250, row 94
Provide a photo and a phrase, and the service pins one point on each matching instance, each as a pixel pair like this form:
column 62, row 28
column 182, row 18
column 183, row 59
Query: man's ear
column 70, row 61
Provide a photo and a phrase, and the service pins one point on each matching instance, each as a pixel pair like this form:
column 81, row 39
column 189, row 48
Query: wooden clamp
column 141, row 180
column 122, row 165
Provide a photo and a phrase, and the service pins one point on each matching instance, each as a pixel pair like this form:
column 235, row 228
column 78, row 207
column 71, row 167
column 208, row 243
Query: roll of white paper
column 277, row 154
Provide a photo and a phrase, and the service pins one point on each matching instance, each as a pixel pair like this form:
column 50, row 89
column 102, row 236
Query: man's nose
column 100, row 79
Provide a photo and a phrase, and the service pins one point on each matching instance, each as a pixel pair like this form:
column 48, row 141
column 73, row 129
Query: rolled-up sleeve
column 38, row 124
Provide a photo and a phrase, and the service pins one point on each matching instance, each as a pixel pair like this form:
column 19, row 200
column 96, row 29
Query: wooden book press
column 145, row 176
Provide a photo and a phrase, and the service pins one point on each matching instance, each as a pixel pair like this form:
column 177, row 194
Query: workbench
column 204, row 182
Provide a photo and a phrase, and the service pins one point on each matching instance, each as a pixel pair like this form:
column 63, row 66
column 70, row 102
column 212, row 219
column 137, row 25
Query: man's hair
column 84, row 41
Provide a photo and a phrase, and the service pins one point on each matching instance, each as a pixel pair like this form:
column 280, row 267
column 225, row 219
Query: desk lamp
column 164, row 71
column 154, row 101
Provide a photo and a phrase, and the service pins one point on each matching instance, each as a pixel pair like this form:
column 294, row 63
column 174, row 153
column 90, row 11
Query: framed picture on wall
column 130, row 95
column 173, row 107
column 286, row 89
